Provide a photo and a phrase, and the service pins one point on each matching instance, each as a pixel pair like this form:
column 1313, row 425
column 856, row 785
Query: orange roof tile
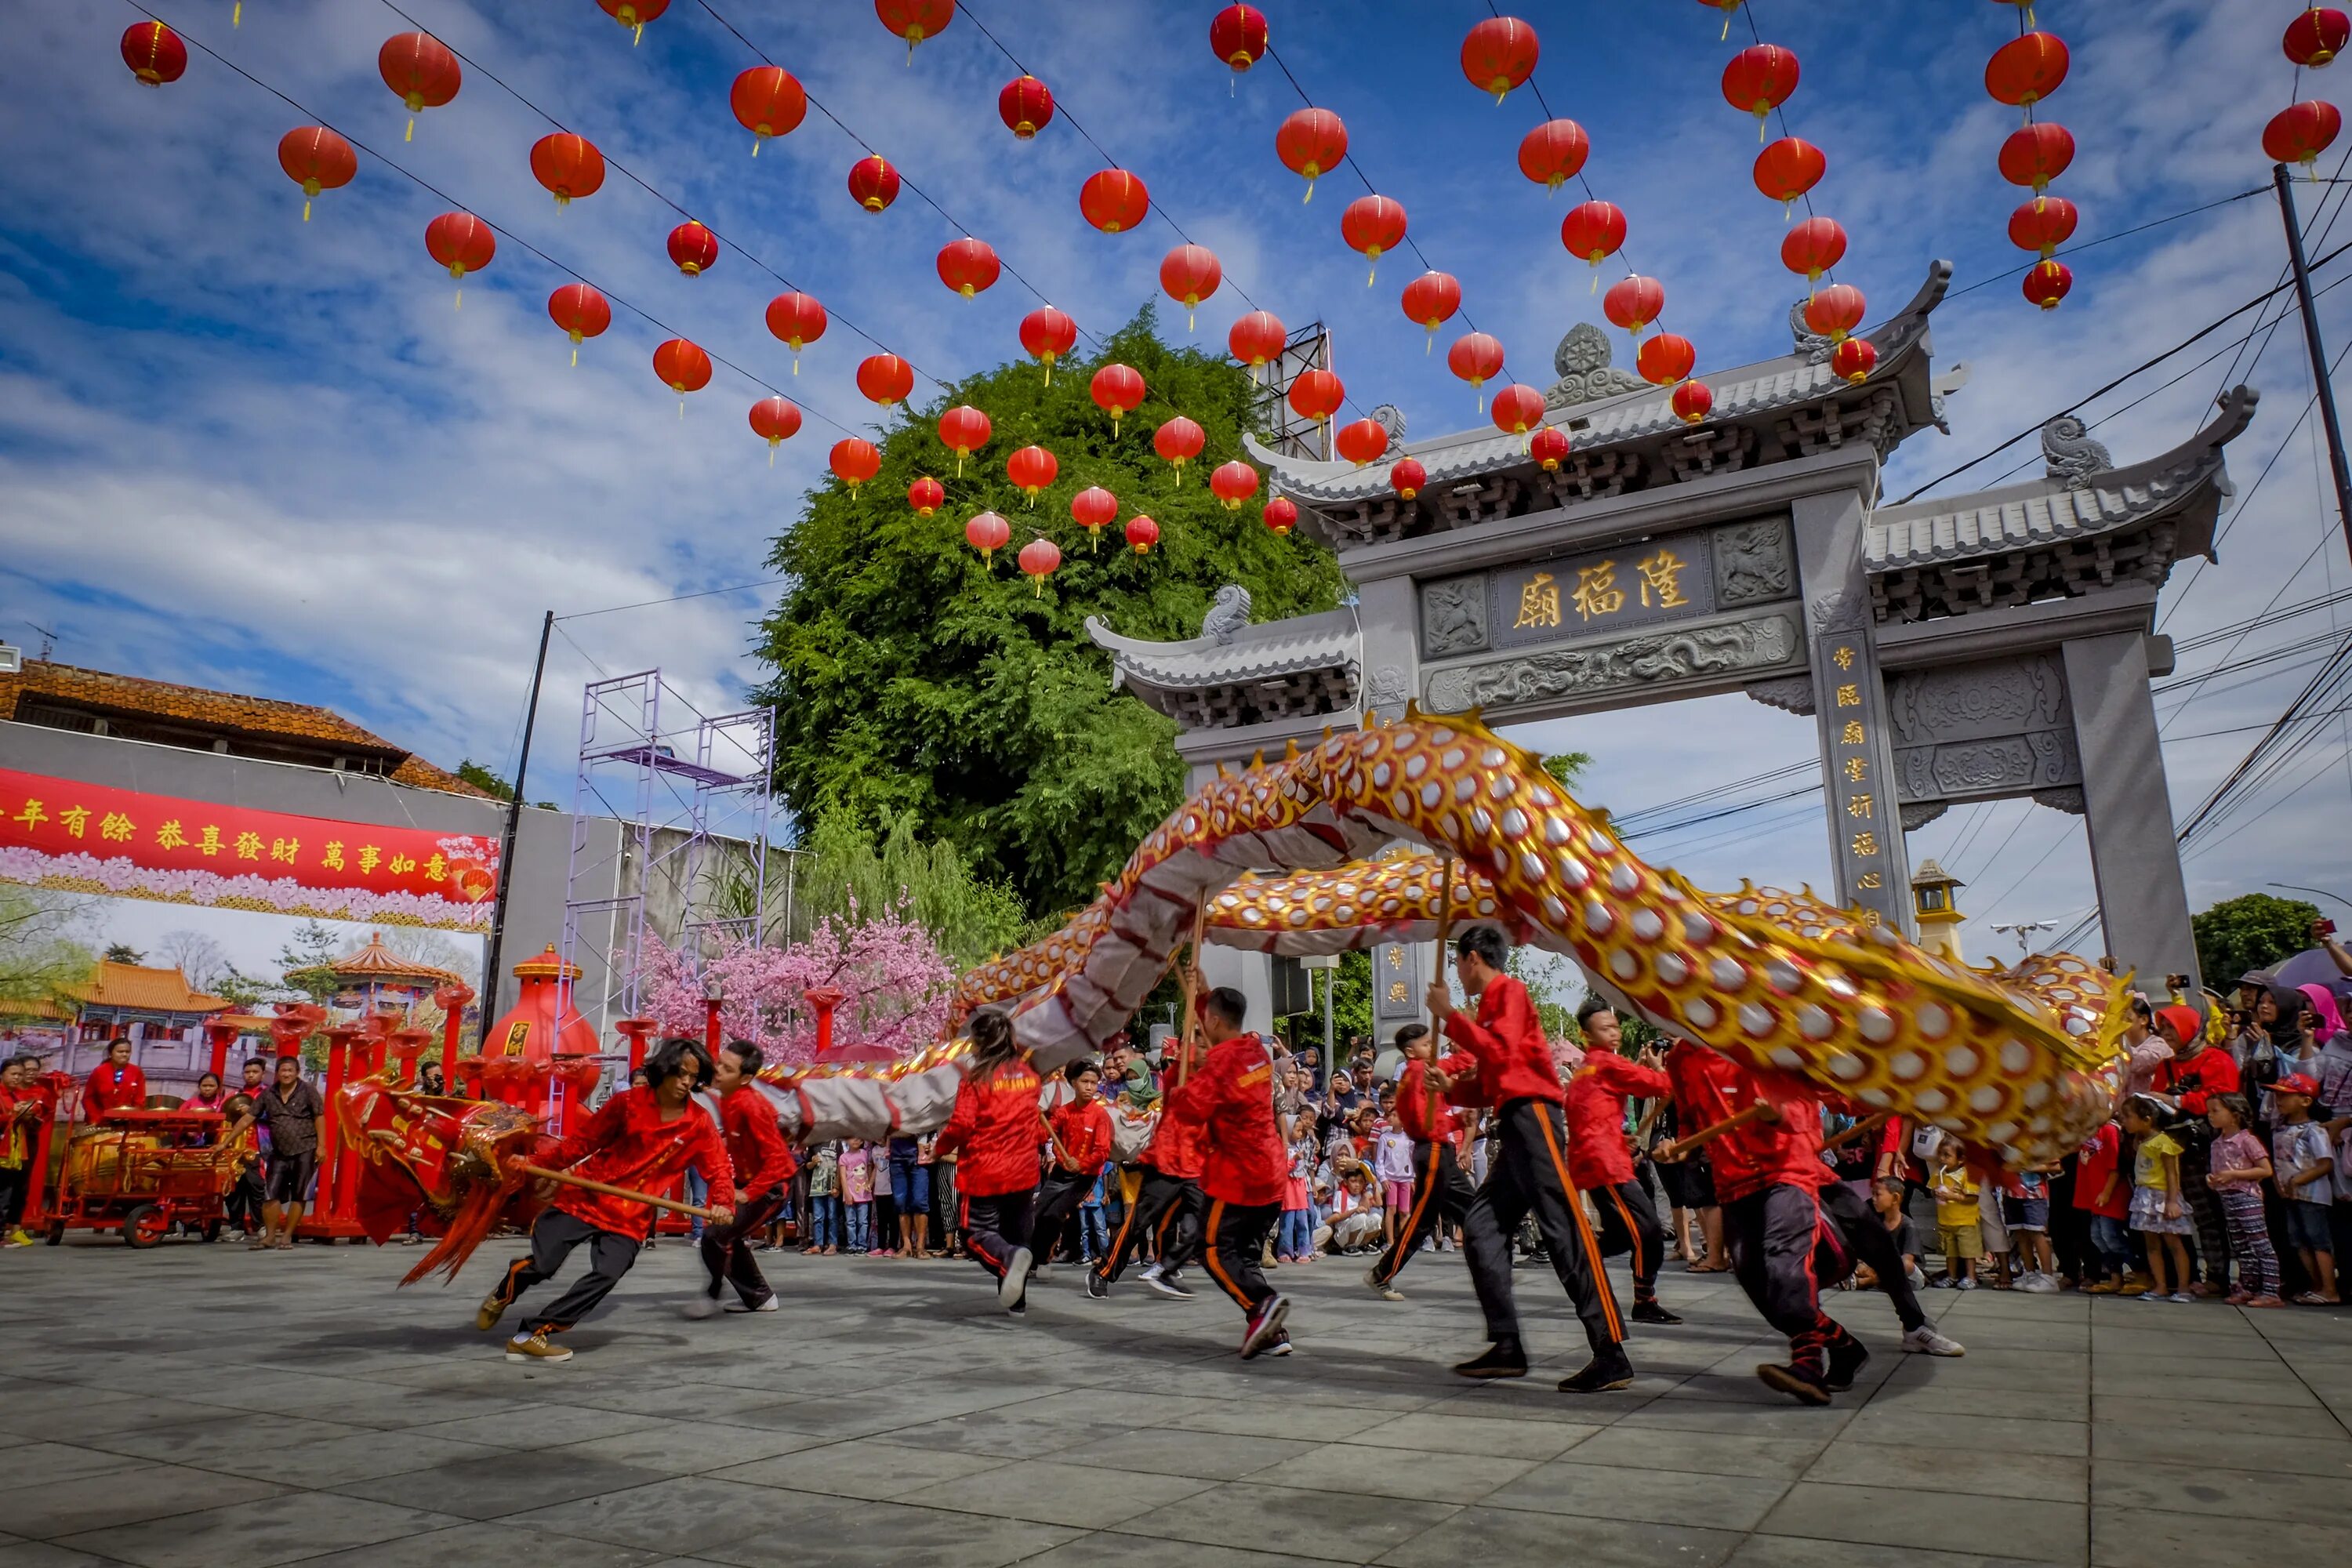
column 377, row 961
column 140, row 988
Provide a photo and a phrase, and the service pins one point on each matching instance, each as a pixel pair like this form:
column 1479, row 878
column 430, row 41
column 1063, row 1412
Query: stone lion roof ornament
column 1228, row 612
column 2069, row 455
column 1585, row 373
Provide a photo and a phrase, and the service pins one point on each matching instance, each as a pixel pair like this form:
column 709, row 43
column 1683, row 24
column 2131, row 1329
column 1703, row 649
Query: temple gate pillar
column 2134, row 859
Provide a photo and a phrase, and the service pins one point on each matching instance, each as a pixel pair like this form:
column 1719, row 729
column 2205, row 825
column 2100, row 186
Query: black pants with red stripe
column 1169, row 1209
column 726, row 1248
column 1526, row 1172
column 996, row 1224
column 1440, row 1192
column 1773, row 1236
column 1630, row 1219
column 1234, row 1235
column 1868, row 1239
column 1058, row 1197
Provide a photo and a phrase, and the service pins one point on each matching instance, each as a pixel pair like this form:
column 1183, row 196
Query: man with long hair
column 993, row 1133
column 763, row 1166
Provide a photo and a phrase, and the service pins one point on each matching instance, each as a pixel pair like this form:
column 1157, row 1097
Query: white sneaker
column 767, row 1306
column 1919, row 1277
column 2037, row 1284
column 700, row 1307
column 1964, row 1283
column 1925, row 1341
column 1016, row 1283
column 1381, row 1287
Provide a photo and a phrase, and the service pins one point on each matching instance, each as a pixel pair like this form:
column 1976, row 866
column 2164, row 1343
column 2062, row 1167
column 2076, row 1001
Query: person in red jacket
column 1600, row 1160
column 640, row 1138
column 1440, row 1189
column 1525, row 1173
column 1244, row 1165
column 1078, row 1145
column 1169, row 1209
column 994, row 1127
column 114, row 1085
column 763, row 1165
column 2193, row 1074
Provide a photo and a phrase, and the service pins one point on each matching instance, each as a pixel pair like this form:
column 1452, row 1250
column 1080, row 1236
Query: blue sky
column 241, row 450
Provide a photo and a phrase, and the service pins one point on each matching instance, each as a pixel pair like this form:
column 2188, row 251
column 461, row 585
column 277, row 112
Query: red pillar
column 635, row 1030
column 710, row 1005
column 55, row 1085
column 220, row 1035
column 338, row 1188
column 825, row 999
column 452, row 1000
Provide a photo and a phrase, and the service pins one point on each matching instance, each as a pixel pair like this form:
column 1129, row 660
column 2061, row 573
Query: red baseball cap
column 2297, row 1083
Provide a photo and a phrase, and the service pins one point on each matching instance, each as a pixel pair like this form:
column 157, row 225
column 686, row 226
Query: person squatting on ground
column 993, row 1130
column 1079, row 1136
column 1230, row 1097
column 641, row 1139
column 1169, row 1209
column 1526, row 1169
column 1600, row 1157
column 1441, row 1192
column 763, row 1168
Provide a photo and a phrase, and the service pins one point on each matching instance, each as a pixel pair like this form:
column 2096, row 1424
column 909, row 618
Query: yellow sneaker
column 18, row 1238
column 494, row 1305
column 535, row 1347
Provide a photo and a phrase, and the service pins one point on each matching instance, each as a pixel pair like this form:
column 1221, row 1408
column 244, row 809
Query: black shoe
column 1604, row 1375
column 1095, row 1287
column 1846, row 1362
column 1504, row 1358
column 1802, row 1384
column 1264, row 1325
column 1168, row 1282
column 1651, row 1312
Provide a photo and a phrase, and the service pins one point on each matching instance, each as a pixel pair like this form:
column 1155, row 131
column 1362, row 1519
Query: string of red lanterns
column 2301, row 132
column 2022, row 73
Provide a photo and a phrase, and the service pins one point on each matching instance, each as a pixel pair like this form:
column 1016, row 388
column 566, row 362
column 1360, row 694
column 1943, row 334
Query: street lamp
column 2298, row 887
column 2024, row 931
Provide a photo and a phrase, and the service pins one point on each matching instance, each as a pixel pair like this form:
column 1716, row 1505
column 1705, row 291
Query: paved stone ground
column 194, row 1406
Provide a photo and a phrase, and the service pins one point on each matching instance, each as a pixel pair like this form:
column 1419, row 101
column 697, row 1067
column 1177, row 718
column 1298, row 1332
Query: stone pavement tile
column 1782, row 1456
column 500, row 1484
column 2198, row 1318
column 1174, row 1451
column 1311, row 1424
column 684, row 1515
column 1782, row 1419
column 1050, row 1491
column 498, row 1392
column 1654, row 1497
column 1428, row 1476
column 43, row 1555
column 1001, row 1435
column 81, row 1415
column 223, row 1434
column 2246, row 1495
column 1984, row 1433
column 1952, row 1397
column 2147, row 1537
column 2192, row 1416
column 1537, row 1397
column 2305, row 1455
column 1951, row 1468
column 259, row 1534
column 671, row 1400
column 546, row 1426
column 1880, row 1516
column 689, row 1447
column 485, row 1543
column 2036, row 1372
column 363, row 1457
column 1340, row 1527
column 876, row 1411
column 1789, row 1552
column 1473, row 1434
column 2281, row 1389
column 865, row 1468
column 2142, row 1342
column 892, row 1535
column 1498, row 1535
column 122, row 1497
column 1134, row 1551
column 37, row 1464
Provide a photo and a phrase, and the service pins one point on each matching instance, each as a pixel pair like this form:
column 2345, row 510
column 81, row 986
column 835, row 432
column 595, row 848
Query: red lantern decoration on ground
column 1519, row 408
column 1026, row 105
column 1046, row 334
column 968, row 265
column 1118, row 390
column 1406, row 476
column 1813, row 246
column 1281, row 514
column 1477, row 358
column 633, row 15
column 1789, row 168
column 1179, row 441
column 1311, row 143
column 1666, row 359
column 963, row 430
column 1114, row 201
column 1634, row 303
column 1431, row 299
column 770, row 101
column 462, row 243
column 915, row 20
column 2317, row 36
column 1190, row 274
column 1553, row 153
column 987, row 533
column 1372, row 225
column 798, row 321
column 1691, row 402
column 873, row 182
column 885, row 379
column 1233, row 483
column 1257, row 339
column 316, row 159
column 567, row 165
column 2026, row 70
column 1316, row 394
column 581, row 312
column 1593, row 232
column 1031, row 469
column 2046, row 283
column 1835, row 310
column 693, row 247
column 927, row 495
column 421, row 72
column 1548, row 446
column 1759, row 81
column 1040, row 558
column 1142, row 533
column 776, row 420
column 2042, row 225
column 1237, row 35
column 1362, row 441
column 154, row 53
column 2036, row 154
column 1093, row 509
column 2301, row 132
column 1499, row 54
column 683, row 368
column 1854, row 360
column 853, row 460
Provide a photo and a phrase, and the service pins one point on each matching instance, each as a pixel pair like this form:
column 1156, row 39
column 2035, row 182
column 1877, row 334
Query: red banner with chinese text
column 59, row 832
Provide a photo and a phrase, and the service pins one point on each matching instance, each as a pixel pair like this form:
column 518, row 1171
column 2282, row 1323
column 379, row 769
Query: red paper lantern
column 1691, row 402
column 853, row 460
column 1094, row 508
column 1142, row 533
column 1759, row 81
column 1835, row 310
column 1431, row 299
column 1477, row 358
column 987, row 533
column 421, row 72
column 1117, row 390
column 1026, row 105
column 1233, row 483
column 885, row 379
column 633, row 15
column 154, row 53
column 1040, row 558
column 567, row 165
column 1371, row 226
column 1813, row 246
column 1666, row 359
column 462, row 243
column 1046, row 334
column 1362, row 441
column 967, row 265
column 1519, row 408
column 797, row 321
column 2301, row 132
column 1787, row 169
column 1854, row 360
column 316, row 159
column 581, row 312
column 1190, row 274
column 1114, row 201
column 963, row 430
column 1237, row 37
column 775, row 420
column 1552, row 153
column 1593, row 232
column 2036, row 154
column 1311, row 143
column 915, row 20
column 1727, row 7
column 1406, row 476
column 770, row 101
column 2046, row 283
column 1257, row 338
column 1549, row 446
column 683, row 368
column 927, row 495
column 1316, row 394
column 1031, row 469
column 1281, row 514
column 1179, row 441
column 1634, row 303
column 2041, row 225
column 2317, row 36
column 693, row 247
column 873, row 182
column 1499, row 54
column 2026, row 70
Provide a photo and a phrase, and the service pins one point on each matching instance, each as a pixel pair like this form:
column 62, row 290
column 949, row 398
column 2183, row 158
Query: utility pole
column 506, row 849
column 2341, row 470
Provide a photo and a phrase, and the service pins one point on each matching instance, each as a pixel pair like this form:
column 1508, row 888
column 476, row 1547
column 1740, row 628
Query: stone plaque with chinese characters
column 1396, row 981
column 1637, row 585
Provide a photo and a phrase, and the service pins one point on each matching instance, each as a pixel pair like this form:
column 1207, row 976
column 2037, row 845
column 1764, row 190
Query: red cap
column 2297, row 1083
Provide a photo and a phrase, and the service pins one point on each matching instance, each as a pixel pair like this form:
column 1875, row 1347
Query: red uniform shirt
column 1596, row 1155
column 1412, row 1102
column 112, row 1088
column 1175, row 1147
column 1514, row 1058
column 1708, row 1088
column 1083, row 1133
column 994, row 1123
column 763, row 1161
column 1230, row 1097
column 2098, row 1161
column 2210, row 1072
column 627, row 1143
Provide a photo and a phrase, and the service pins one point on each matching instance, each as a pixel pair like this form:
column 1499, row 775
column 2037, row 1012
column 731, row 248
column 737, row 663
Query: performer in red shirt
column 994, row 1124
column 1079, row 1143
column 1600, row 1161
column 2193, row 1074
column 1440, row 1189
column 1169, row 1209
column 114, row 1085
column 763, row 1167
column 1526, row 1169
column 640, row 1138
column 1244, row 1166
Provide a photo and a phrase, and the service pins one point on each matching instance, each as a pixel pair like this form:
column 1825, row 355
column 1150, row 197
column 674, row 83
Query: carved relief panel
column 1984, row 729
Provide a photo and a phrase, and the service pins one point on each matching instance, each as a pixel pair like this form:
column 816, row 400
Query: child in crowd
column 2158, row 1211
column 1093, row 1235
column 2238, row 1167
column 2100, row 1193
column 1355, row 1211
column 1392, row 1167
column 856, row 1180
column 2305, row 1164
column 2026, row 1212
column 1886, row 1199
column 825, row 1200
column 1958, row 1214
column 1295, row 1238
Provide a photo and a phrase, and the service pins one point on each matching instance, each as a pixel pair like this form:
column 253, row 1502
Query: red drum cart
column 142, row 1172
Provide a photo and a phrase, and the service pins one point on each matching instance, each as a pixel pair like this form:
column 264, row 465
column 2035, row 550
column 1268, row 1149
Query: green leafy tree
column 123, row 953
column 2253, row 931
column 848, row 876
column 482, row 779
column 40, row 961
column 305, row 959
column 912, row 679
